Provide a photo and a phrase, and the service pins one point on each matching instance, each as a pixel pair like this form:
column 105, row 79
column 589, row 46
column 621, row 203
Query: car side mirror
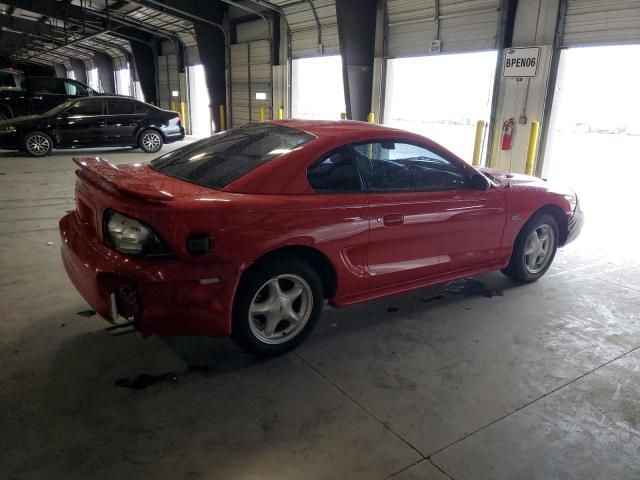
column 480, row 182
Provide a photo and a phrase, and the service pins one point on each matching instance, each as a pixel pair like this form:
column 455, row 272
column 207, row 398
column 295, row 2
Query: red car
column 248, row 232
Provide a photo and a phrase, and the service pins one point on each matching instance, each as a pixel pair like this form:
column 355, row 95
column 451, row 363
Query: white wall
column 535, row 25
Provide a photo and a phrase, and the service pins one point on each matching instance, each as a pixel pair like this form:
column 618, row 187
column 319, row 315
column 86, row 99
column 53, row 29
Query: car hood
column 511, row 178
column 529, row 182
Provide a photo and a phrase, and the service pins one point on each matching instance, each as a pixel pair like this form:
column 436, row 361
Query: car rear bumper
column 162, row 296
column 174, row 135
column 575, row 224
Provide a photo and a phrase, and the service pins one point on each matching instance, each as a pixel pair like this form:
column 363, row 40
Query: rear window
column 11, row 80
column 121, row 107
column 221, row 159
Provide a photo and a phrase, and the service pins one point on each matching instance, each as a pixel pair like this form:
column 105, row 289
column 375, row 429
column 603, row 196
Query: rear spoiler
column 99, row 170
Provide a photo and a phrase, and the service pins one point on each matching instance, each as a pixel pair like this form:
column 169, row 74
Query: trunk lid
column 135, row 190
column 136, row 180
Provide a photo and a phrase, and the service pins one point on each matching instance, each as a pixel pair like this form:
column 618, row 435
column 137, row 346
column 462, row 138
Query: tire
column 532, row 257
column 262, row 312
column 150, row 141
column 37, row 144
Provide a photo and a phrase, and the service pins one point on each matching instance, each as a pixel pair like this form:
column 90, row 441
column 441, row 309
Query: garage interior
column 491, row 380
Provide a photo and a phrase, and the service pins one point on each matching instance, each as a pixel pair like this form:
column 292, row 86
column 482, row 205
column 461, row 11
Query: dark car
column 34, row 95
column 93, row 122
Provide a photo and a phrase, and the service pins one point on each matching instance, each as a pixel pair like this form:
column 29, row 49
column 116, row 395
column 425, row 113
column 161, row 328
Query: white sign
column 521, row 62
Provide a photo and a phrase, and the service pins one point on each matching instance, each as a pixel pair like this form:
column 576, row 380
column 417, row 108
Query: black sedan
column 93, row 122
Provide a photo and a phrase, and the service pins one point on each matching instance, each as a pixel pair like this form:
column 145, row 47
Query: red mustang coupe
column 246, row 233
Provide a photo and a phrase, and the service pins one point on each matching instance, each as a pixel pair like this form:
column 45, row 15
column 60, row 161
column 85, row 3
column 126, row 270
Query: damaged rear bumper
column 161, row 296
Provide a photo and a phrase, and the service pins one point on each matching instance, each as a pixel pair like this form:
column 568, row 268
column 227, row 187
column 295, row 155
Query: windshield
column 219, row 160
column 59, row 108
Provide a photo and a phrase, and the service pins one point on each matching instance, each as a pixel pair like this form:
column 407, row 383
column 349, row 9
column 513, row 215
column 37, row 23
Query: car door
column 82, row 124
column 425, row 220
column 340, row 206
column 46, row 93
column 122, row 121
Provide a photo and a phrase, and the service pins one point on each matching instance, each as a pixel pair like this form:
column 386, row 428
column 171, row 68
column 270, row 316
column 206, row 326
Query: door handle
column 393, row 219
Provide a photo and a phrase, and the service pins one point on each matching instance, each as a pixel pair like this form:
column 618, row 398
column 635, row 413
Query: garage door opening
column 317, row 90
column 93, row 80
column 199, row 102
column 123, row 81
column 594, row 140
column 441, row 97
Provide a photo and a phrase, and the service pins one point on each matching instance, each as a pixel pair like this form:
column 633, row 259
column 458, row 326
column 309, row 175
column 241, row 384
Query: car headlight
column 572, row 198
column 131, row 236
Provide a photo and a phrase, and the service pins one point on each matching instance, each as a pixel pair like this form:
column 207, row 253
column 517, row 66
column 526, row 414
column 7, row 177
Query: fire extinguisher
column 507, row 133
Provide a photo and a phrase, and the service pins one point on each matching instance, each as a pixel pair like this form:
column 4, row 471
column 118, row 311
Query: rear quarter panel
column 245, row 227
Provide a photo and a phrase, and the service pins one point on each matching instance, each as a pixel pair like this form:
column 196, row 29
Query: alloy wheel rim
column 38, row 144
column 151, row 141
column 539, row 248
column 280, row 309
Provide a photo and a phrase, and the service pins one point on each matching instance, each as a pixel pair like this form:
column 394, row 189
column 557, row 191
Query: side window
column 142, row 108
column 47, row 86
column 89, row 107
column 394, row 166
column 336, row 173
column 120, row 107
column 75, row 89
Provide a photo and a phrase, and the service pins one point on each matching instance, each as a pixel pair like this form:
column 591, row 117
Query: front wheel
column 276, row 307
column 534, row 249
column 37, row 144
column 150, row 141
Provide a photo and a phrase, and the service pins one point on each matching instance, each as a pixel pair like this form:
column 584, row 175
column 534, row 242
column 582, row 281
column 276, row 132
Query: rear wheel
column 276, row 307
column 37, row 144
column 150, row 141
column 534, row 249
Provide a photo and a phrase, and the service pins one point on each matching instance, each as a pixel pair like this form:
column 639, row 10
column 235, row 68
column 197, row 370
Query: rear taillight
column 131, row 236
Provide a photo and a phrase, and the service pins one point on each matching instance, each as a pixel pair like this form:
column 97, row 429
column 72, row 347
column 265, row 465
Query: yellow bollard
column 343, row 116
column 172, row 106
column 533, row 147
column 183, row 115
column 280, row 113
column 371, row 118
column 477, row 145
column 262, row 114
column 223, row 119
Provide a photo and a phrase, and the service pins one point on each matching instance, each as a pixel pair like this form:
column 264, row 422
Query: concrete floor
column 542, row 382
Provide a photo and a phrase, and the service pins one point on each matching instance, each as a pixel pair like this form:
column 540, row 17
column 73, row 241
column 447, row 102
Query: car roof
column 106, row 97
column 336, row 128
